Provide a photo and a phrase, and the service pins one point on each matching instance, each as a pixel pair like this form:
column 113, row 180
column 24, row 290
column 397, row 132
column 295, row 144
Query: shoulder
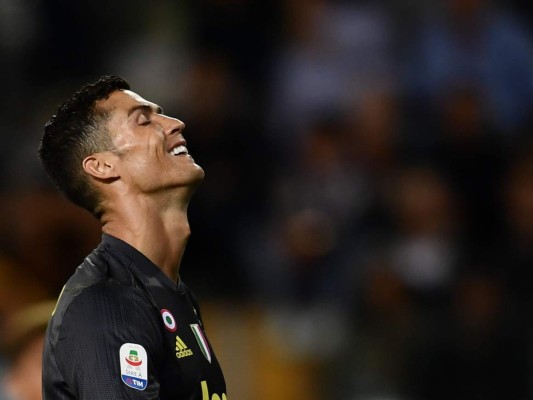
column 99, row 298
column 102, row 306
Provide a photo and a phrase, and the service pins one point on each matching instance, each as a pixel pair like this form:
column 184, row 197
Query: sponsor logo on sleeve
column 134, row 366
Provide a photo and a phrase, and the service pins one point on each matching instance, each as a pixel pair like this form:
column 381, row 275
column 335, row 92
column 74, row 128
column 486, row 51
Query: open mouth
column 179, row 150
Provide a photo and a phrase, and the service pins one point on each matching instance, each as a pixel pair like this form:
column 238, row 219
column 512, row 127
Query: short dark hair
column 76, row 131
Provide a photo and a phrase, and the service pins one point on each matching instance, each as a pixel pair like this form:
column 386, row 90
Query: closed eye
column 143, row 112
column 143, row 119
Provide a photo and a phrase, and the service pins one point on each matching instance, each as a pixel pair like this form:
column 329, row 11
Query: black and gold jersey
column 123, row 330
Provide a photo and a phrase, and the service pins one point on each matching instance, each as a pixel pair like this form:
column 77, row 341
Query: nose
column 174, row 125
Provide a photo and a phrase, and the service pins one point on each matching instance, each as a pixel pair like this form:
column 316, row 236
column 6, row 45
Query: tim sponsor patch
column 134, row 366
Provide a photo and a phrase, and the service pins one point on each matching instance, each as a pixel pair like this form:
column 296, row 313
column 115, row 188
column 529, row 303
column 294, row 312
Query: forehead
column 124, row 100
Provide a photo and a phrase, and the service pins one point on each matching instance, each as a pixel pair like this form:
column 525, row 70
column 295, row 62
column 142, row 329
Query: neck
column 158, row 231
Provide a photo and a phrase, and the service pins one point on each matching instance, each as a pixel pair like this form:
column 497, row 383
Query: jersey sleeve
column 110, row 344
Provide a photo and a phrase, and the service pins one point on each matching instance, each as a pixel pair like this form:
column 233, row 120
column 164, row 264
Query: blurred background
column 365, row 228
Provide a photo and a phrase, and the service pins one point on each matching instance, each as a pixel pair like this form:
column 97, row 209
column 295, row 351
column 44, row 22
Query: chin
column 199, row 174
column 196, row 177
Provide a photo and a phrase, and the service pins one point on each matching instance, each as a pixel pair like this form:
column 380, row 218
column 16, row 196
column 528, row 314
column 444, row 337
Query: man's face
column 153, row 153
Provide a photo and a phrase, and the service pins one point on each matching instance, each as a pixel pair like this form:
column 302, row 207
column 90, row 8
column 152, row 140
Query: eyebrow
column 145, row 107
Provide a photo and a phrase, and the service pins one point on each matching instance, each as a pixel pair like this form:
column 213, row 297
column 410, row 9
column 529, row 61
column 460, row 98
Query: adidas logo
column 181, row 348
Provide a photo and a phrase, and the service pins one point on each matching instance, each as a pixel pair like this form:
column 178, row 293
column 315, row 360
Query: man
column 123, row 328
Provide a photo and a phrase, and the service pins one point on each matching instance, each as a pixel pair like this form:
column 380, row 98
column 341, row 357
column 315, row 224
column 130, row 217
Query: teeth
column 178, row 150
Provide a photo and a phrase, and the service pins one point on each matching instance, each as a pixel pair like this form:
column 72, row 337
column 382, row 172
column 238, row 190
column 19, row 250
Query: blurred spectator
column 242, row 32
column 22, row 343
column 470, row 152
column 17, row 289
column 475, row 43
column 333, row 53
column 424, row 251
column 159, row 46
column 477, row 354
column 293, row 258
column 512, row 254
column 403, row 287
column 313, row 204
column 374, row 134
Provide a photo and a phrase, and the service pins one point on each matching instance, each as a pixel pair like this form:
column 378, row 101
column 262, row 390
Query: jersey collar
column 145, row 268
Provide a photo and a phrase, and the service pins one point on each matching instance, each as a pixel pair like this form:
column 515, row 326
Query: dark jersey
column 123, row 330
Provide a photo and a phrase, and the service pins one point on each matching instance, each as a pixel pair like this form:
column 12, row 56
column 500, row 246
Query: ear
column 100, row 166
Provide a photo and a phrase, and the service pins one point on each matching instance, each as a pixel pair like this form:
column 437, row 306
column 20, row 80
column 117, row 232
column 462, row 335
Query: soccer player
column 126, row 326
